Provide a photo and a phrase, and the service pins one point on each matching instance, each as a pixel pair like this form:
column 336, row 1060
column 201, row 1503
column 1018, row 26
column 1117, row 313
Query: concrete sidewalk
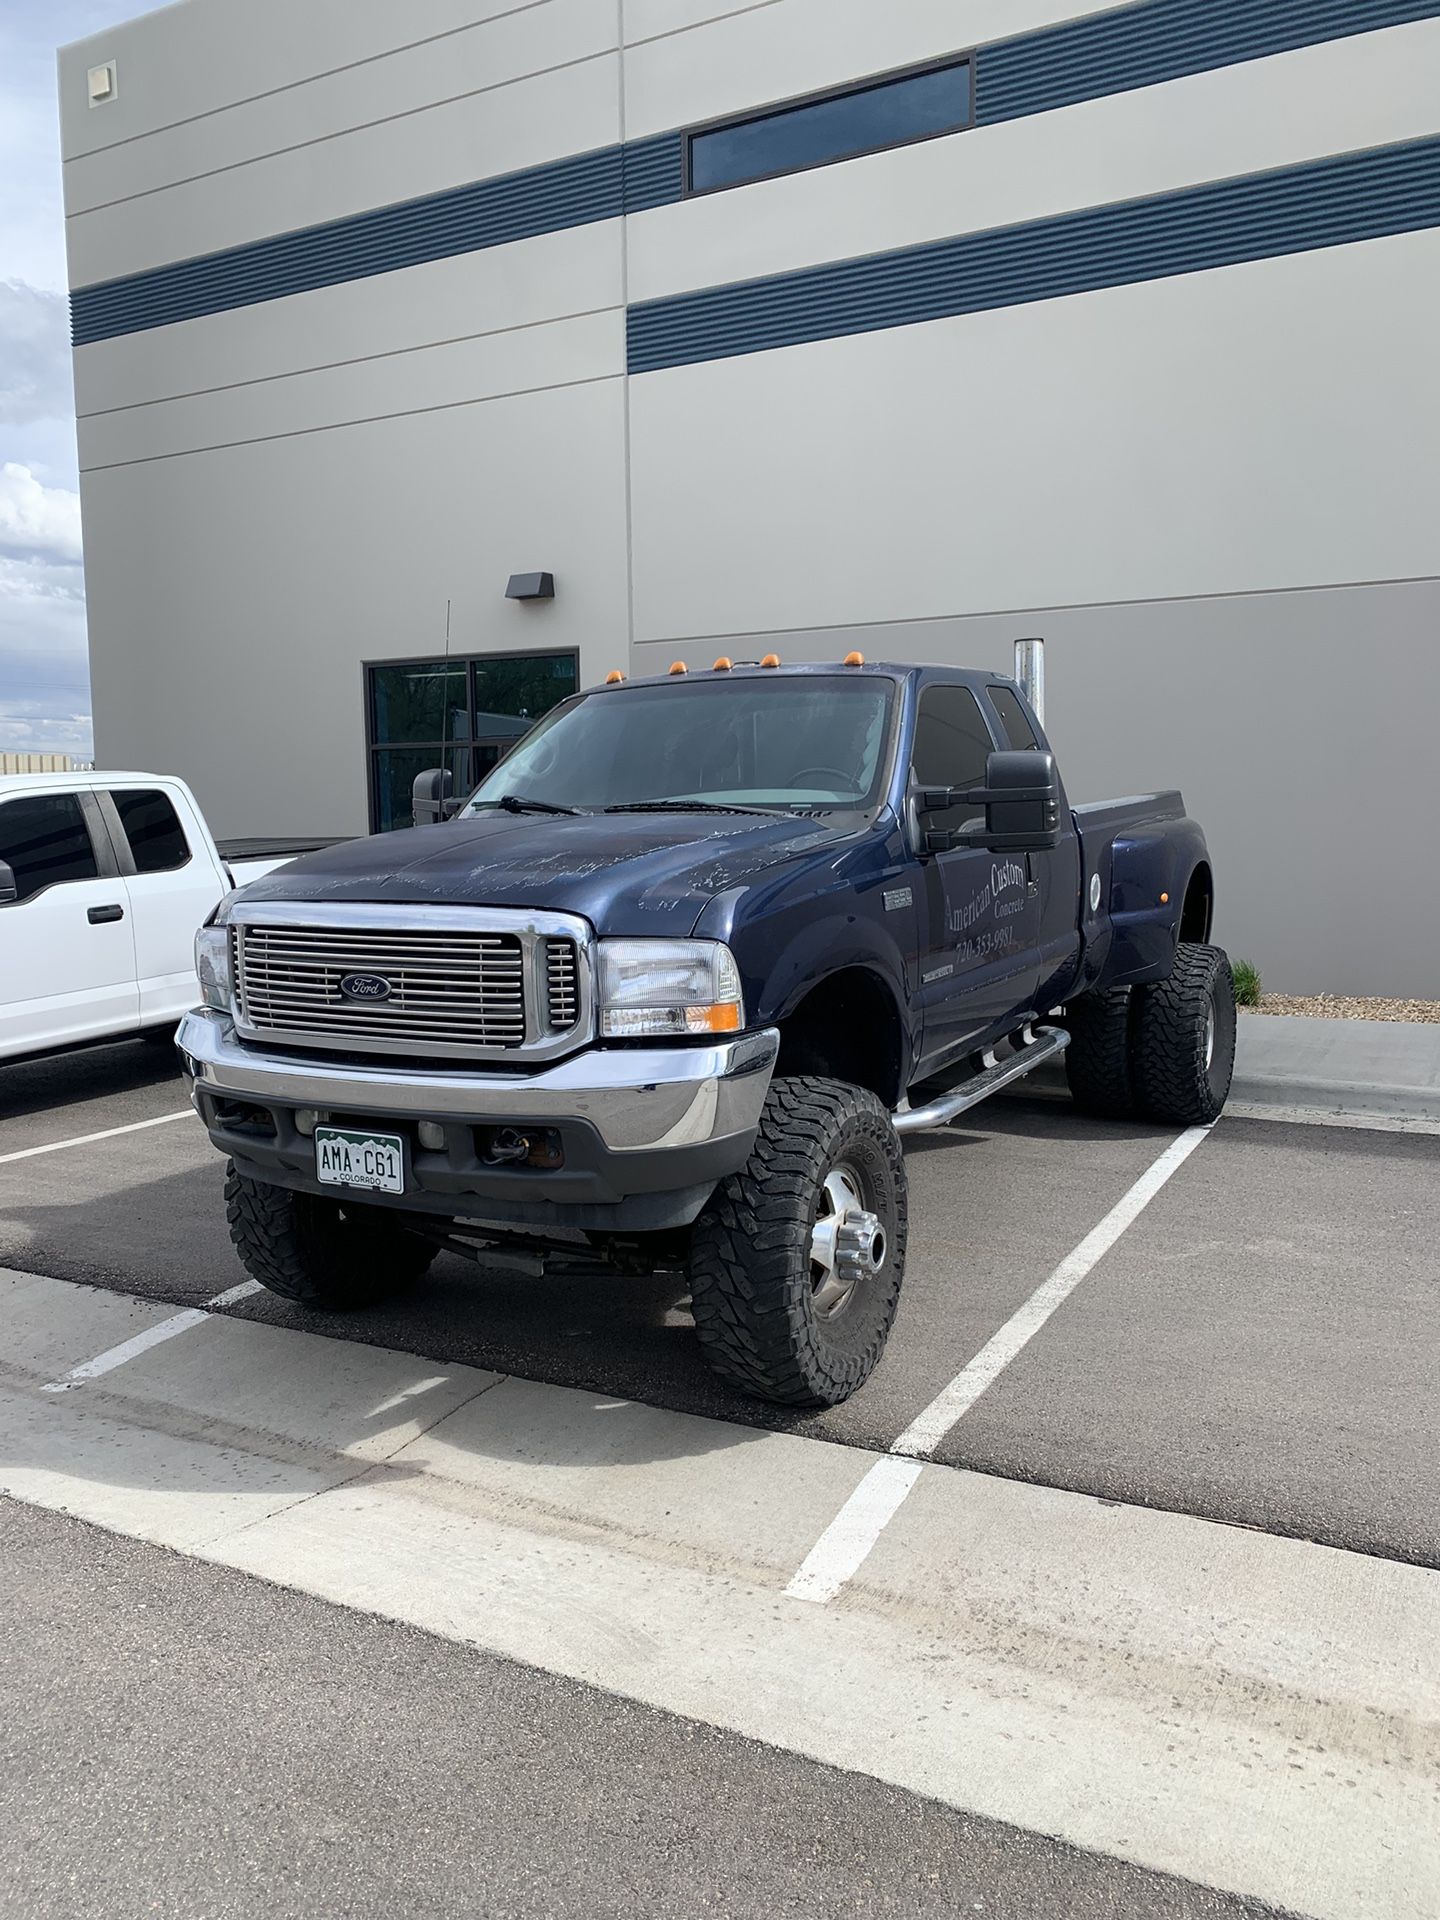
column 1201, row 1700
column 1369, row 1069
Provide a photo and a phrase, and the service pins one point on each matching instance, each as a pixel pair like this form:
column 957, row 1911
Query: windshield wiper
column 521, row 803
column 694, row 806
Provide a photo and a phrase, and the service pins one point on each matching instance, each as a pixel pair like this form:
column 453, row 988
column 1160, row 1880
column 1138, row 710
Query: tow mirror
column 8, row 889
column 430, row 796
column 1021, row 799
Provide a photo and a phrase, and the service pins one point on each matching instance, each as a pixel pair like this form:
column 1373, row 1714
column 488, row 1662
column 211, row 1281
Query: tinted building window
column 463, row 714
column 952, row 744
column 1016, row 728
column 45, row 842
column 153, row 829
column 836, row 126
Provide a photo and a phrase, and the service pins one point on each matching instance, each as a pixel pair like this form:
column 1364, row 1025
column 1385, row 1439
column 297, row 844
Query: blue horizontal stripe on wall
column 653, row 170
column 1328, row 203
column 517, row 206
column 1141, row 44
column 1158, row 40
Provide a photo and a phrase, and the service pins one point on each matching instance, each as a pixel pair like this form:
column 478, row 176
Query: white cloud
column 44, row 676
column 37, row 522
column 34, row 355
column 44, row 696
column 44, row 667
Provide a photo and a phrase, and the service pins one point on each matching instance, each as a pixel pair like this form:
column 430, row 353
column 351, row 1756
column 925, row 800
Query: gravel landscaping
column 1332, row 1006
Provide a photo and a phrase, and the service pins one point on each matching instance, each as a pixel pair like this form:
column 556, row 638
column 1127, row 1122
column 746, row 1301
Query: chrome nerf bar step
column 1036, row 1045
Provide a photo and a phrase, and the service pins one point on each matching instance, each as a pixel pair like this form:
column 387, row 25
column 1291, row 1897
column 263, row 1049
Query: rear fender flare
column 1149, row 876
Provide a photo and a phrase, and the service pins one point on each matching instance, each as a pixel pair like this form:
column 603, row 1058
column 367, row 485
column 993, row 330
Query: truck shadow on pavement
column 1037, row 1117
column 57, row 1081
column 98, row 1220
column 165, row 1240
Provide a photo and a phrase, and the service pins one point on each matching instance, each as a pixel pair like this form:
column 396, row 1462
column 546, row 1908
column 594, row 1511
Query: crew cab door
column 978, row 918
column 67, row 960
column 172, row 883
column 1054, row 871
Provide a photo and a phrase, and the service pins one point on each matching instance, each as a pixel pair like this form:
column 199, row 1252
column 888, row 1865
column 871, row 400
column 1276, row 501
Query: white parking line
column 842, row 1548
column 928, row 1429
column 84, row 1139
column 853, row 1532
column 140, row 1343
column 232, row 1294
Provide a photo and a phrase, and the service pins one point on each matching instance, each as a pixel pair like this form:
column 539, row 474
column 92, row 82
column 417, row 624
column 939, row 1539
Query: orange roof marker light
column 771, row 660
column 854, row 660
column 678, row 666
column 614, row 677
column 723, row 664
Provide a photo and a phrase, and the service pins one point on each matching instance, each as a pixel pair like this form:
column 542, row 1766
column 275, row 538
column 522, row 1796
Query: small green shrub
column 1247, row 983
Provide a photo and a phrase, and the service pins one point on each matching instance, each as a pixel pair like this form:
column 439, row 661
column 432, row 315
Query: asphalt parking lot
column 1257, row 1349
column 507, row 1545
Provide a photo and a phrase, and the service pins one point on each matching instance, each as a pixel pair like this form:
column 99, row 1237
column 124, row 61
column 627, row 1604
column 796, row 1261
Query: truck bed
column 1103, row 819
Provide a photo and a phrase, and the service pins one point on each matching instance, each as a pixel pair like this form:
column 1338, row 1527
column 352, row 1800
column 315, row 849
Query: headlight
column 212, row 964
column 668, row 986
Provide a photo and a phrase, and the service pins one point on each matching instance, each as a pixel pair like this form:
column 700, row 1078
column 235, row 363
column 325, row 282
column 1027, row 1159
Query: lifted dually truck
column 668, row 988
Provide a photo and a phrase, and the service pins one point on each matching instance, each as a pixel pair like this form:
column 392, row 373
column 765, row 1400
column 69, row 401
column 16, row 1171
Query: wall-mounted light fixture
column 531, row 586
column 100, row 84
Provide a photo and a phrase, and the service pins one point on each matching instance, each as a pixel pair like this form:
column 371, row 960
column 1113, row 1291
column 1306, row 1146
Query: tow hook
column 507, row 1145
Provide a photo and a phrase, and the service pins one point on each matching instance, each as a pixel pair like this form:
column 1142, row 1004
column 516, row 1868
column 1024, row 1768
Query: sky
column 44, row 675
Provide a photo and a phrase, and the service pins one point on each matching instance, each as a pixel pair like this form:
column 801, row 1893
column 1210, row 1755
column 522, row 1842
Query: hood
column 627, row 873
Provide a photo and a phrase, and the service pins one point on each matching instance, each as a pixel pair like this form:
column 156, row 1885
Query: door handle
column 97, row 916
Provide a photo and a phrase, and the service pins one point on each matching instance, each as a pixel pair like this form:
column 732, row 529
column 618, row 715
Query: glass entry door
column 465, row 714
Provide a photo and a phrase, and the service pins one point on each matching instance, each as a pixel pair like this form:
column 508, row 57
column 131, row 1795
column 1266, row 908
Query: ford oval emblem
column 364, row 986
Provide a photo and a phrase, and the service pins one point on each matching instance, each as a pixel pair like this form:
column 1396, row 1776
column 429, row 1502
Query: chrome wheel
column 1209, row 1036
column 847, row 1242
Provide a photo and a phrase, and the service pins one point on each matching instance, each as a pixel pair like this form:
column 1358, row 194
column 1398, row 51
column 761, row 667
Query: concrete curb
column 1377, row 1069
column 1382, row 1074
column 1374, row 1099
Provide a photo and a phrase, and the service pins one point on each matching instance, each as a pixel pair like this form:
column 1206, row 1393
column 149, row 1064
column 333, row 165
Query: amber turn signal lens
column 678, row 666
column 1164, row 899
column 854, row 660
column 722, row 665
column 771, row 660
column 724, row 1018
column 614, row 677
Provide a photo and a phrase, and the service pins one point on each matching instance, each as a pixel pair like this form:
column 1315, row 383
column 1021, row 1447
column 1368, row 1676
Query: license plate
column 372, row 1161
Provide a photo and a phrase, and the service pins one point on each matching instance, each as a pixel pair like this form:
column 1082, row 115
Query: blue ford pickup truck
column 670, row 987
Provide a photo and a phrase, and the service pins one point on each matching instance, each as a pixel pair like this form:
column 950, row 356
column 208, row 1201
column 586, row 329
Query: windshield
column 811, row 742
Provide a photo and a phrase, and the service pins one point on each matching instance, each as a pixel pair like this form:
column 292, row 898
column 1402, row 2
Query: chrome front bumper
column 636, row 1138
column 638, row 1100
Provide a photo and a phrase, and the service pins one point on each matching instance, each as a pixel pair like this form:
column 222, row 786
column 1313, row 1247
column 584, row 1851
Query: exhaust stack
column 1030, row 672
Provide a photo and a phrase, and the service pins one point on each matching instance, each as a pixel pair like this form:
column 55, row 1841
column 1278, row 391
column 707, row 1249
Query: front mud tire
column 1184, row 1039
column 779, row 1314
column 322, row 1254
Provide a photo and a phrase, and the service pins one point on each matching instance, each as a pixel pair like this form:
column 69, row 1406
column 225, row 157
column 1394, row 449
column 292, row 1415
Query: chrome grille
column 455, row 990
column 562, row 984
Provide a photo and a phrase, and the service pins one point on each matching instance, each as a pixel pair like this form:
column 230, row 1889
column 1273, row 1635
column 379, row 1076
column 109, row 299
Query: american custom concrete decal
column 1002, row 895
